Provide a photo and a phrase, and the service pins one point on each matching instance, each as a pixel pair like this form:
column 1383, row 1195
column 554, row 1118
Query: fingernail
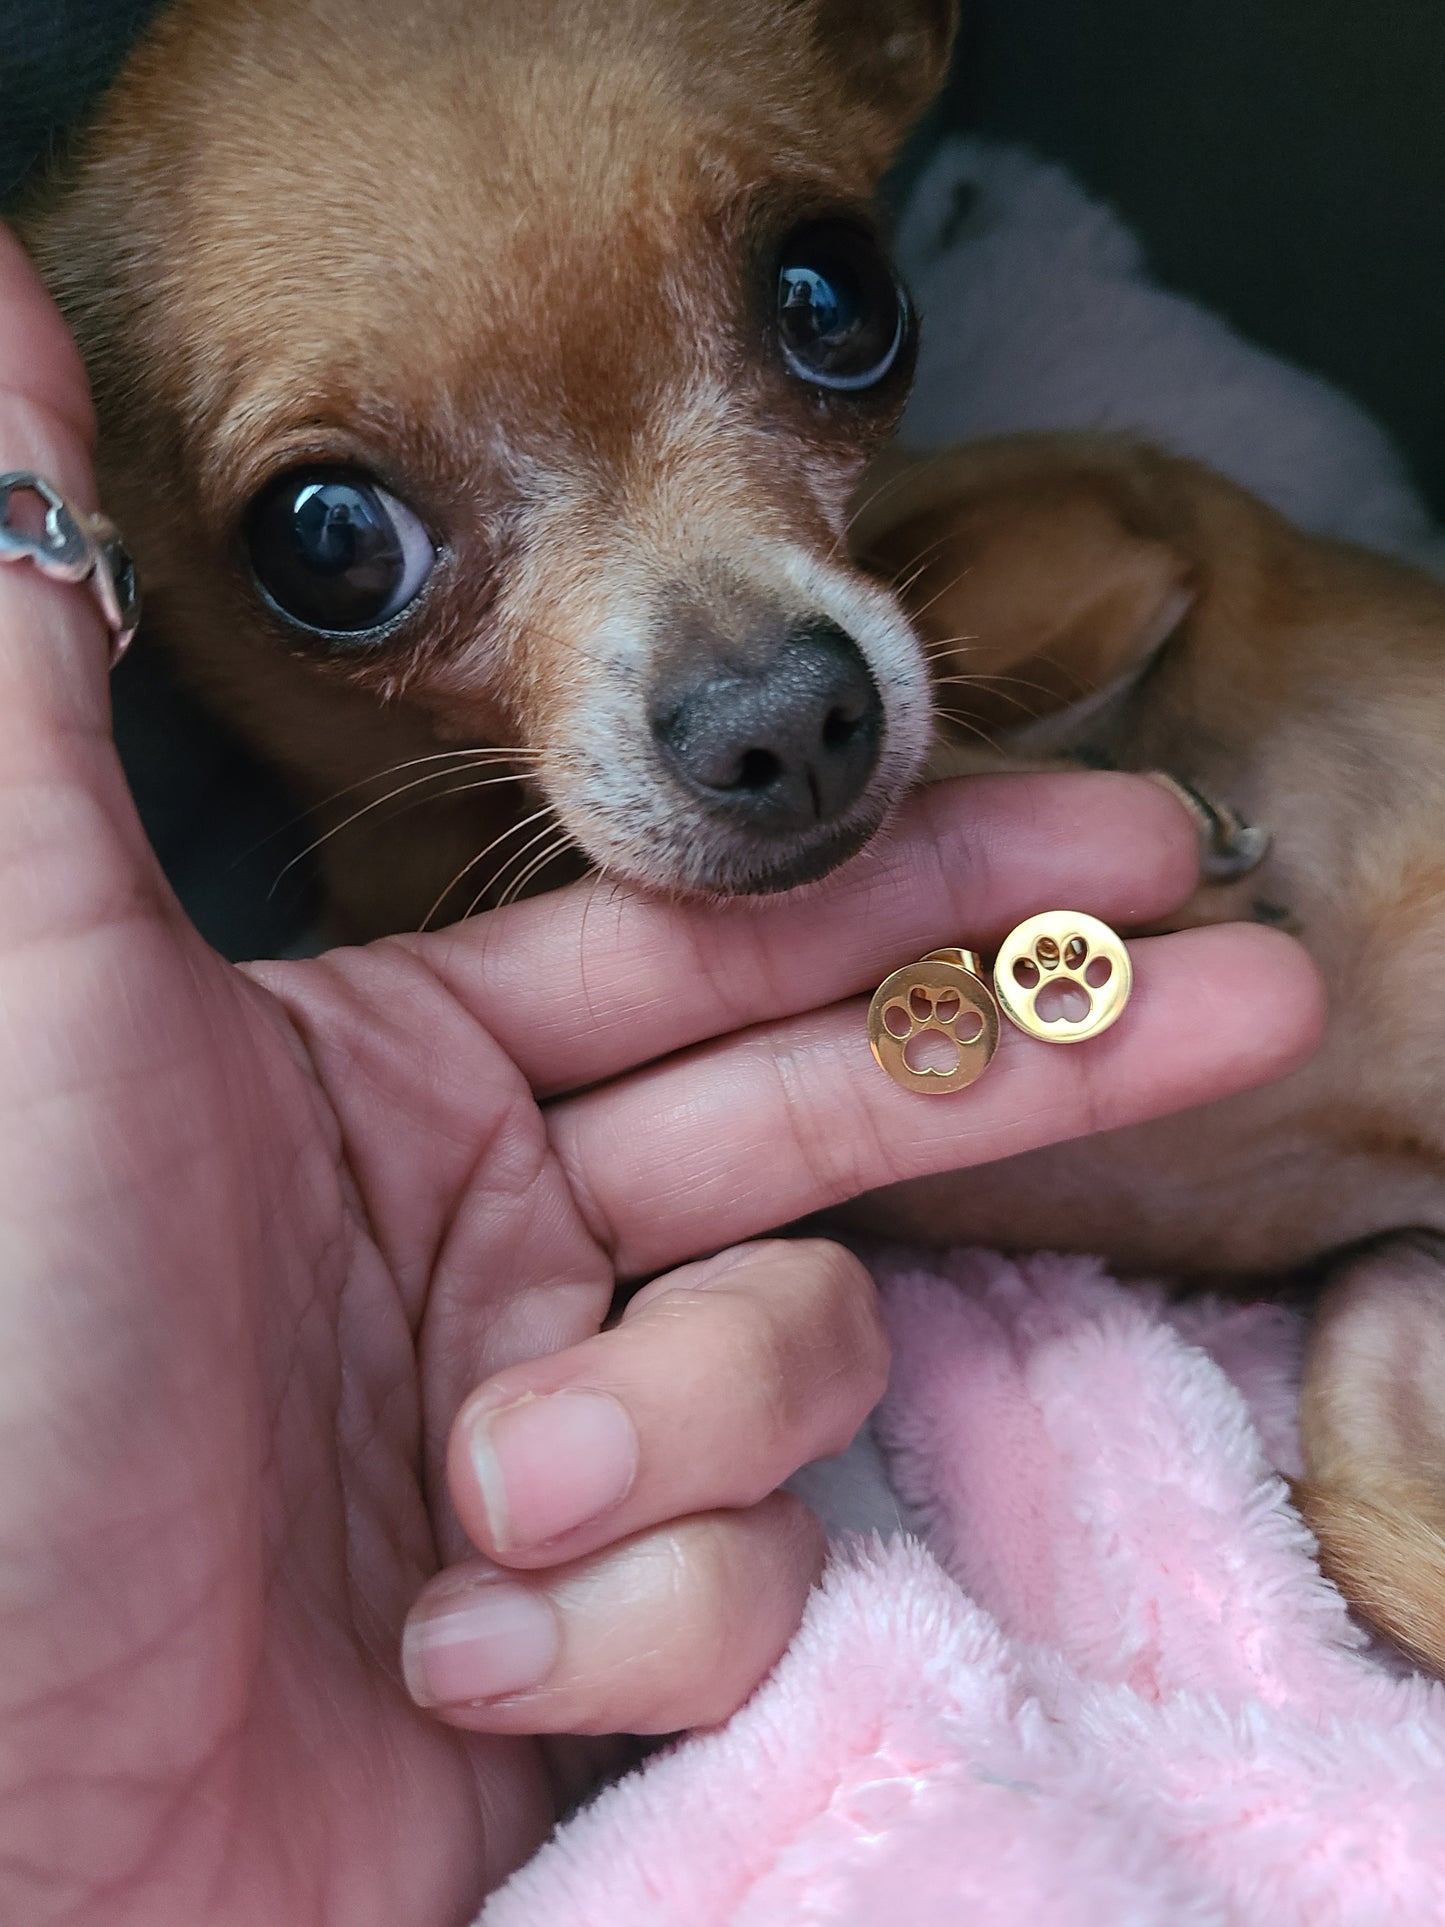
column 487, row 1644
column 548, row 1464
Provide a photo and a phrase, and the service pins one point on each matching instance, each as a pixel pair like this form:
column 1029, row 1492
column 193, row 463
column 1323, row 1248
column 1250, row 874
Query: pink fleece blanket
column 1104, row 1686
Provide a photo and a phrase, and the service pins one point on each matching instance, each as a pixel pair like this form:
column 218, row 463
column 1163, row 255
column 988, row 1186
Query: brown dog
column 1093, row 599
column 491, row 390
column 485, row 401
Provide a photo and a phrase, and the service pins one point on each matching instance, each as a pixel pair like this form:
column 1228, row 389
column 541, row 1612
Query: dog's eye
column 333, row 551
column 842, row 317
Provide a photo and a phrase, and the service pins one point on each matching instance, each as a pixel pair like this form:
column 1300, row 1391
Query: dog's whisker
column 468, row 786
column 513, row 893
column 938, row 595
column 481, row 856
column 1001, row 676
column 980, row 679
column 901, row 583
column 402, row 789
column 518, row 857
column 494, row 886
column 478, row 755
column 904, row 474
column 1027, row 682
column 985, row 677
column 915, row 566
column 600, row 875
column 1006, row 695
column 960, row 721
column 550, row 854
column 947, row 645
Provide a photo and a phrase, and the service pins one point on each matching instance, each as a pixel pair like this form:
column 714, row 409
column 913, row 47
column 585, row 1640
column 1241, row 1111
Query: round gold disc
column 933, row 1026
column 1063, row 976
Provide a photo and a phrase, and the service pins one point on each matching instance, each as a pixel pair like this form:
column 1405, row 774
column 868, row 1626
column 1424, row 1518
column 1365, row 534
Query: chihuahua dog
column 485, row 398
column 483, row 395
column 1092, row 599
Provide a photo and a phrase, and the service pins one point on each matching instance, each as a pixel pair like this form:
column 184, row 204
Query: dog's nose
column 785, row 746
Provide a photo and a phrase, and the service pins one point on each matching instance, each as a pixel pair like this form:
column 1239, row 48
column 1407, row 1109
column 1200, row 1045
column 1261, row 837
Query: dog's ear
column 1035, row 587
column 892, row 55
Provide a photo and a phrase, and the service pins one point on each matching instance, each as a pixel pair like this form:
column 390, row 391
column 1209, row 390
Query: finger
column 40, row 360
column 668, row 1630
column 46, row 427
column 762, row 1359
column 71, row 850
column 736, row 1137
column 628, row 977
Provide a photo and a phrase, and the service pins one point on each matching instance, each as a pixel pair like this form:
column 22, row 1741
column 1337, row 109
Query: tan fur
column 1387, row 1559
column 1373, row 1419
column 512, row 258
column 1303, row 687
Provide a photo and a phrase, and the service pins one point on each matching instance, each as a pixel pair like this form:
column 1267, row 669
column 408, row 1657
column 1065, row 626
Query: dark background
column 1283, row 160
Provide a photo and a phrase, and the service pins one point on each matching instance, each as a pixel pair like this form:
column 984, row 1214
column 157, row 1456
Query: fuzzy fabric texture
column 1038, row 313
column 1105, row 1687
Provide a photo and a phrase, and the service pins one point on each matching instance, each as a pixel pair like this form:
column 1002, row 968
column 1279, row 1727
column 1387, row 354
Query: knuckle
column 701, row 1576
column 872, row 1354
column 802, row 1532
column 767, row 1359
column 811, row 1347
column 742, row 987
column 847, row 1319
column 762, row 1563
column 597, row 1221
column 712, row 1601
column 697, row 1580
column 833, row 1162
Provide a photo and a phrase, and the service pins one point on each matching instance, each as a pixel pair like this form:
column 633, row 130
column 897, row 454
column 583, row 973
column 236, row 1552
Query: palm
column 263, row 1233
column 239, row 1546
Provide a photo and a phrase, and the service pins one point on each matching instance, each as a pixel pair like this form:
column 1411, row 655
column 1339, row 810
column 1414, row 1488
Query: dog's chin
column 751, row 871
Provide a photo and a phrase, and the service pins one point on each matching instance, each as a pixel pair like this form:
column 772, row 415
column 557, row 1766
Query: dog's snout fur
column 781, row 745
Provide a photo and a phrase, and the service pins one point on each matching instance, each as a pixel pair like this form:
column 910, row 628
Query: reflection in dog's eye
column 842, row 316
column 333, row 551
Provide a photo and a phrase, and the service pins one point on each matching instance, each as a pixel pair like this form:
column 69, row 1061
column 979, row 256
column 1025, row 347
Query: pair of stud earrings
column 1061, row 977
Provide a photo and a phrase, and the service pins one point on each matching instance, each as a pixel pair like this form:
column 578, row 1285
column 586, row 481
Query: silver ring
column 72, row 546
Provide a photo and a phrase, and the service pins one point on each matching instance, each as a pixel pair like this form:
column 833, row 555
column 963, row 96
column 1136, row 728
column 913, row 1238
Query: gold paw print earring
column 1061, row 977
column 933, row 1026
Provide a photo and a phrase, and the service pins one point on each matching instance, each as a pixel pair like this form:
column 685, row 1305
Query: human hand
column 279, row 1242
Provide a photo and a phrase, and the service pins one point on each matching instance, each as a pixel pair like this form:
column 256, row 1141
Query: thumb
column 71, row 845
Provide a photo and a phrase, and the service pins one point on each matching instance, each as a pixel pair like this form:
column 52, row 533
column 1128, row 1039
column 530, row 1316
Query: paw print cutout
column 933, row 1026
column 1063, row 977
